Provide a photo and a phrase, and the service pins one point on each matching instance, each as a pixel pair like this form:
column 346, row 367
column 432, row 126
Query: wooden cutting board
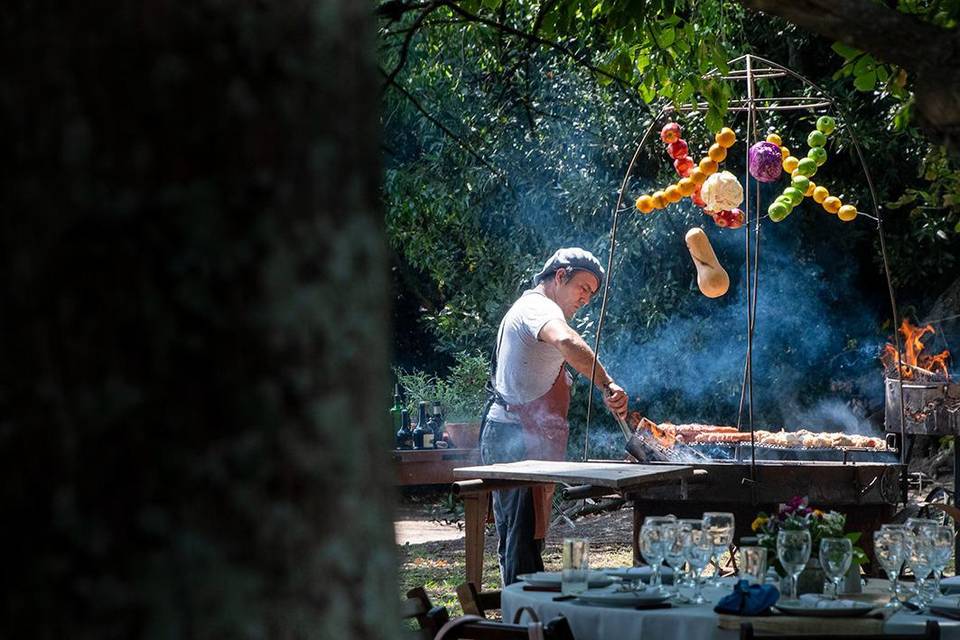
column 614, row 475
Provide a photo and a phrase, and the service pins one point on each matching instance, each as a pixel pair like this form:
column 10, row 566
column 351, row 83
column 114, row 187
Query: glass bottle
column 404, row 433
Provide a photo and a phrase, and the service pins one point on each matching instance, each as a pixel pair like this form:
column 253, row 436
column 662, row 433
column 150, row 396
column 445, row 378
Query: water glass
column 753, row 564
column 836, row 554
column 890, row 550
column 652, row 544
column 921, row 561
column 676, row 537
column 576, row 567
column 793, row 551
column 720, row 526
column 942, row 539
column 699, row 550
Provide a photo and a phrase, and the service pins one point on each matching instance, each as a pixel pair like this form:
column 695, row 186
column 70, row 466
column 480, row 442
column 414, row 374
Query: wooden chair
column 428, row 618
column 470, row 627
column 477, row 603
column 930, row 632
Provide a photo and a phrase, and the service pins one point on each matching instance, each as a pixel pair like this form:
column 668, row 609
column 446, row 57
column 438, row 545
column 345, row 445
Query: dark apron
column 545, row 431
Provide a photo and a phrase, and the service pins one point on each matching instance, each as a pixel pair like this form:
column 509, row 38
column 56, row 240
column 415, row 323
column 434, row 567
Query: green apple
column 795, row 195
column 778, row 211
column 816, row 139
column 800, row 182
column 808, row 166
column 817, row 154
column 826, row 125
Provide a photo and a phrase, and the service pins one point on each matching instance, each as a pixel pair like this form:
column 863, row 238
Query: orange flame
column 913, row 360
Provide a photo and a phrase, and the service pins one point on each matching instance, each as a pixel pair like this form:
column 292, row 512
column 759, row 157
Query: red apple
column 670, row 132
column 697, row 200
column 678, row 149
column 683, row 166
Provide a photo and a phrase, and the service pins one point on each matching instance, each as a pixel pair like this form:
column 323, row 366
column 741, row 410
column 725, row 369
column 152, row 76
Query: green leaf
column 864, row 64
column 867, row 81
column 844, row 50
column 714, row 119
column 667, row 37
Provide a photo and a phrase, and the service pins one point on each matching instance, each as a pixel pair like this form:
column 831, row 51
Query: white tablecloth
column 693, row 622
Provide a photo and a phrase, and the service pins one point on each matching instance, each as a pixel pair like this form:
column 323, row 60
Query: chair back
column 428, row 618
column 477, row 603
column 472, row 627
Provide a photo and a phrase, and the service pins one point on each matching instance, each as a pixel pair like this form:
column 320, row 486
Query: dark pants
column 512, row 508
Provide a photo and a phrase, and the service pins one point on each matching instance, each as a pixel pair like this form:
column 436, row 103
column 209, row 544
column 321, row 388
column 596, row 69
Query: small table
column 430, row 466
column 593, row 478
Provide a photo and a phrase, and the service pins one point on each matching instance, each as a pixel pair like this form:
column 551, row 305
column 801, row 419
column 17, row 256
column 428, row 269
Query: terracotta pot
column 465, row 435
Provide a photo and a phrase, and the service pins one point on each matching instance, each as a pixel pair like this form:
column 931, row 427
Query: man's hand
column 616, row 399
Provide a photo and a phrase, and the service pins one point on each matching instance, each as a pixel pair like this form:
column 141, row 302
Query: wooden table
column 430, row 466
column 591, row 478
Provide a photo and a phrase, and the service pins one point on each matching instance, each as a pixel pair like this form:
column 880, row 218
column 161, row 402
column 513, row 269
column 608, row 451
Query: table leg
column 475, row 515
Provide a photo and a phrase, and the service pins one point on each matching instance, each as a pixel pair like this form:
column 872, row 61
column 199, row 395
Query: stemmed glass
column 652, row 545
column 699, row 550
column 836, row 554
column 720, row 527
column 942, row 539
column 888, row 545
column 921, row 560
column 793, row 551
column 907, row 543
column 676, row 538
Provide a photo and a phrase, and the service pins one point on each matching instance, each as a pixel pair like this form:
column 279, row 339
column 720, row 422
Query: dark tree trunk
column 929, row 54
column 194, row 319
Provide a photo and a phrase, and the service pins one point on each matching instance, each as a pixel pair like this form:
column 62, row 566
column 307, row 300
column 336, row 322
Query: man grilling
column 527, row 412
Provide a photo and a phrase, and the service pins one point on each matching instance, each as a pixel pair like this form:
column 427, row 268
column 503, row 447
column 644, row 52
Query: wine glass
column 652, row 544
column 889, row 547
column 720, row 526
column 836, row 554
column 921, row 560
column 942, row 539
column 906, row 542
column 673, row 544
column 793, row 551
column 686, row 577
column 699, row 550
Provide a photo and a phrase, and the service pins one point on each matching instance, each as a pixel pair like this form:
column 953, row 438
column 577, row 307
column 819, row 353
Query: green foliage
column 461, row 392
column 543, row 135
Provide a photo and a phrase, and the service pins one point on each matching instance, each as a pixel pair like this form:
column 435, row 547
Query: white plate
column 799, row 608
column 951, row 585
column 640, row 573
column 622, row 598
column 553, row 579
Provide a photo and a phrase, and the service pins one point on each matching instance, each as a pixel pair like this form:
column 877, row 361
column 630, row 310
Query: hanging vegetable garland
column 695, row 178
column 801, row 171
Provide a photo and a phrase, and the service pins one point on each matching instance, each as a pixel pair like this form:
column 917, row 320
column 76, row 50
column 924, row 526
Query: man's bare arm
column 580, row 356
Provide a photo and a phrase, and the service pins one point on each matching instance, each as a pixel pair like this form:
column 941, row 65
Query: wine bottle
column 404, row 433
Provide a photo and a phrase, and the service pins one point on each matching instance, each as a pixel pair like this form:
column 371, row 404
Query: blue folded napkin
column 749, row 599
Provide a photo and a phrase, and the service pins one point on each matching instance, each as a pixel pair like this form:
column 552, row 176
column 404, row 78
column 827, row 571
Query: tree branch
column 556, row 46
column 460, row 141
column 930, row 53
column 405, row 47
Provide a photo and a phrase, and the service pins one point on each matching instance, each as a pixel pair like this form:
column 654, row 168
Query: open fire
column 914, row 363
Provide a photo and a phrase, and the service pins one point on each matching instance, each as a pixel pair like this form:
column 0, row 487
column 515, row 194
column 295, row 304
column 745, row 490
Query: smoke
column 814, row 349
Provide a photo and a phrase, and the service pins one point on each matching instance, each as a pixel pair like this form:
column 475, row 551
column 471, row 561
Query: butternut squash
column 711, row 277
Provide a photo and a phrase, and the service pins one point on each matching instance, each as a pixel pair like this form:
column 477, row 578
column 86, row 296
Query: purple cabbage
column 765, row 161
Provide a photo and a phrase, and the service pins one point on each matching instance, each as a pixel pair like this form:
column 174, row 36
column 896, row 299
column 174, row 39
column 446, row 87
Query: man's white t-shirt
column 526, row 367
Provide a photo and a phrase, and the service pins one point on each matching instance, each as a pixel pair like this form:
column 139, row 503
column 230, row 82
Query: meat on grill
column 716, row 434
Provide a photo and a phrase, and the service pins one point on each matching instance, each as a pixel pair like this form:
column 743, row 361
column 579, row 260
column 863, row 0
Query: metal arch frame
column 752, row 105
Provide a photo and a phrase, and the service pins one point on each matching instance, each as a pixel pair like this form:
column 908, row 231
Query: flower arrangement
column 797, row 515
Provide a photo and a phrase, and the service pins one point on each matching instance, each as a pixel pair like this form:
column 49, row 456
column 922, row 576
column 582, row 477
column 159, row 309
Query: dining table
column 590, row 621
